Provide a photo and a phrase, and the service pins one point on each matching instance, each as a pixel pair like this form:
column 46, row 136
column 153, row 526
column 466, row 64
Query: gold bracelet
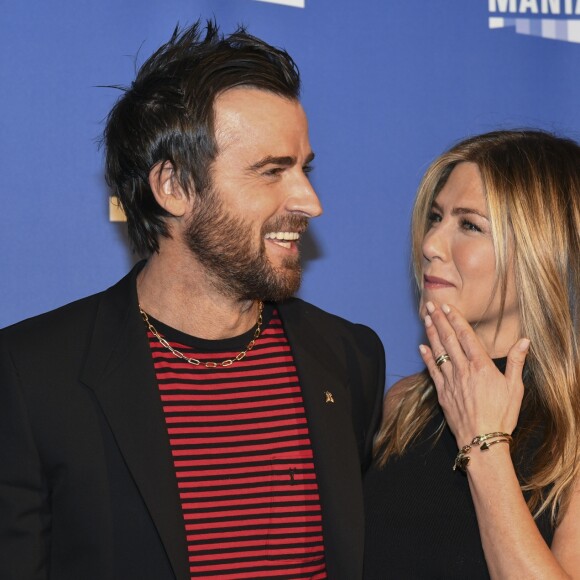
column 481, row 438
column 485, row 446
column 462, row 459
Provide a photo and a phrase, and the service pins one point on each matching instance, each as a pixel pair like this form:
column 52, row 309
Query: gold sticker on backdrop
column 116, row 213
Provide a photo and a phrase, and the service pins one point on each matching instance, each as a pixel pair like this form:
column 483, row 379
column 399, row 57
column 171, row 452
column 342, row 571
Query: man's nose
column 302, row 198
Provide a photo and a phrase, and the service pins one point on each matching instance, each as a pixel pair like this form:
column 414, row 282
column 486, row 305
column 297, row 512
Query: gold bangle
column 481, row 438
column 485, row 446
column 462, row 459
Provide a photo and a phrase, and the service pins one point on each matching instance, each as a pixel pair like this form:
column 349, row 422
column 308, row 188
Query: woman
column 476, row 463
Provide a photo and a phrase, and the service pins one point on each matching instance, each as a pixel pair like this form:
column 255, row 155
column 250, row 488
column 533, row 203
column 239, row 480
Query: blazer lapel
column 119, row 370
column 327, row 402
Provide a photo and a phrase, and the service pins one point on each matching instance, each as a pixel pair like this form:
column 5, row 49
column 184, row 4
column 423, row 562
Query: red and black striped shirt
column 242, row 456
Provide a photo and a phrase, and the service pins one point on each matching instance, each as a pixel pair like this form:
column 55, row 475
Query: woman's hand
column 474, row 395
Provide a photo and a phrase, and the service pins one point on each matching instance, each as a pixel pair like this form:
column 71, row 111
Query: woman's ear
column 167, row 191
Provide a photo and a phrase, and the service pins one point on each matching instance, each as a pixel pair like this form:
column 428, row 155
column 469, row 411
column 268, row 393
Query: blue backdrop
column 388, row 85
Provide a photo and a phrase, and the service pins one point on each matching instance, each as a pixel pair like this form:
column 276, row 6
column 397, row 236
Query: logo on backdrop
column 553, row 19
column 294, row 3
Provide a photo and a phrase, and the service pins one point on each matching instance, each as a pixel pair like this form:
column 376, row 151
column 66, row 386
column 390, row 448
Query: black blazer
column 87, row 485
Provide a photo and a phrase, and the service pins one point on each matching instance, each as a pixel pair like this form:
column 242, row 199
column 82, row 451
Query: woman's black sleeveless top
column 420, row 518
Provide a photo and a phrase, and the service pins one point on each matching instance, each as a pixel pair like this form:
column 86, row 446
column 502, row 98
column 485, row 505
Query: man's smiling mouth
column 283, row 239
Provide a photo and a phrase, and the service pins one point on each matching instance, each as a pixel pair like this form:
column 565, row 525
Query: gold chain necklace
column 208, row 364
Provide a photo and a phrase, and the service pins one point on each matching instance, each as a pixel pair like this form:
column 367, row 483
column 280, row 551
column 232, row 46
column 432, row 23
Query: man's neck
column 175, row 289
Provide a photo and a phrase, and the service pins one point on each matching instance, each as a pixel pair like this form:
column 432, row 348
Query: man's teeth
column 283, row 239
column 287, row 236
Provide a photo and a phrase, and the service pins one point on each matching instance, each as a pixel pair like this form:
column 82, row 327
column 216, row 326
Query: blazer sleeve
column 368, row 398
column 24, row 511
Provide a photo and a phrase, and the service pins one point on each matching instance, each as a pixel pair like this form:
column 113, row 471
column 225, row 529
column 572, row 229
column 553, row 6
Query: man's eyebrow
column 461, row 210
column 271, row 160
column 285, row 161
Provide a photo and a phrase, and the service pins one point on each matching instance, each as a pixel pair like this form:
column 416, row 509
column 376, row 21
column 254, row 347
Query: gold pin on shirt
column 328, row 397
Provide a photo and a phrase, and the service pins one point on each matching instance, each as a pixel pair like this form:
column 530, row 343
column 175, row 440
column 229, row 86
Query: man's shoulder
column 51, row 324
column 301, row 310
column 296, row 305
column 64, row 321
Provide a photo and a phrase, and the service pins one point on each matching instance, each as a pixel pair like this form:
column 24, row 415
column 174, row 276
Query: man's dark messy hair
column 167, row 115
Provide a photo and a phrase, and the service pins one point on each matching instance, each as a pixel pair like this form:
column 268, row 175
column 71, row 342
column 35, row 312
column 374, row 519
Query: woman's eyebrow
column 461, row 210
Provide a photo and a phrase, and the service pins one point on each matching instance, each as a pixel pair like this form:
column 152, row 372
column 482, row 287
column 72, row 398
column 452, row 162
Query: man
column 194, row 420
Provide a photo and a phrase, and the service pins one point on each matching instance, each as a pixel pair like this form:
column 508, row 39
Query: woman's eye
column 470, row 226
column 434, row 217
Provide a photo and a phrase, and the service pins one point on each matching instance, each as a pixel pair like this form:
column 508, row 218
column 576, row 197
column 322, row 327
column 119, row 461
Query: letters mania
column 543, row 7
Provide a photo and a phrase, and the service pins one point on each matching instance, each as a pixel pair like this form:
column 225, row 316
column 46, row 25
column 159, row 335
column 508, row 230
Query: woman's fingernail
column 524, row 344
column 428, row 321
column 430, row 307
column 422, row 349
column 446, row 308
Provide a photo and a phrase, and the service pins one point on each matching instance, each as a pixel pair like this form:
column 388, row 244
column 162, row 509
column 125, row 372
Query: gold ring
column 442, row 358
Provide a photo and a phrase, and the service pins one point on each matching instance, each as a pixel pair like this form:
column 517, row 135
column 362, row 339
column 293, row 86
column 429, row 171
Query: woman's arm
column 476, row 399
column 566, row 544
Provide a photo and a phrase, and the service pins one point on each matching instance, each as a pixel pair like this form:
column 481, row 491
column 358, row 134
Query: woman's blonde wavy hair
column 531, row 181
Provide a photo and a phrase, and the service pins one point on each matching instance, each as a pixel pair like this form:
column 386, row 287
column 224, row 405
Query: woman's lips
column 432, row 282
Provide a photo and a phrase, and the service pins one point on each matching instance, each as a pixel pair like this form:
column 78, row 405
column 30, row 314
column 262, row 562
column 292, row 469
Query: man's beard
column 223, row 244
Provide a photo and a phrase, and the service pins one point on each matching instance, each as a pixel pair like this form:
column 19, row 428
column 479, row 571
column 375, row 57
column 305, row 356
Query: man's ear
column 167, row 191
